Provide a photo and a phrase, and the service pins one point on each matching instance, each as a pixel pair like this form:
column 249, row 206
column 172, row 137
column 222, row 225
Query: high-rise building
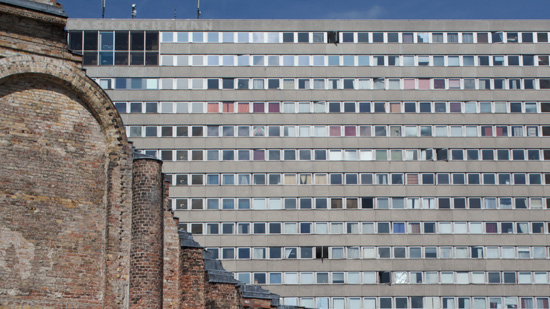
column 347, row 164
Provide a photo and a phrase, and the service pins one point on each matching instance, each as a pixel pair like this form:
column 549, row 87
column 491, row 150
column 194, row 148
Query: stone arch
column 117, row 170
column 74, row 79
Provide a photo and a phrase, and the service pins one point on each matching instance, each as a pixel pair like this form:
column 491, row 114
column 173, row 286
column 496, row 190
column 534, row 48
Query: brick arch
column 116, row 201
column 74, row 79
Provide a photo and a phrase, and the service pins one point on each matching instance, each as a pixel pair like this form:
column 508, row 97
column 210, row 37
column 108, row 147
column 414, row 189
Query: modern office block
column 347, row 164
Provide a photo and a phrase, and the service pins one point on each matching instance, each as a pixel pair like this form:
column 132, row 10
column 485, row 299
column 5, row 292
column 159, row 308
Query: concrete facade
column 451, row 271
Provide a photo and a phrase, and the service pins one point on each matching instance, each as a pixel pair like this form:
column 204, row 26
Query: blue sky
column 315, row 9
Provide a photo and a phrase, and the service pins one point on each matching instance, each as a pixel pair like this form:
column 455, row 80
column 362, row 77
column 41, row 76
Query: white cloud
column 374, row 12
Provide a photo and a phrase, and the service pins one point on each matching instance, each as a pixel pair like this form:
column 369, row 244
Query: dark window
column 213, row 83
column 321, row 203
column 275, row 228
column 362, row 37
column 288, row 37
column 378, row 37
column 75, row 41
column 418, row 302
column 509, row 277
column 90, row 58
column 425, row 107
column 90, row 40
column 273, row 83
column 349, row 107
column 259, row 228
column 482, row 38
column 410, row 107
column 121, row 40
column 137, row 40
column 384, row 277
column 348, row 83
column 196, row 131
column 321, row 252
column 441, row 154
column 181, row 131
column 167, row 131
column 305, row 203
column 385, row 302
column 367, row 202
column 503, row 154
column 334, row 107
column 483, row 60
column 497, row 37
column 151, row 40
column 347, row 37
column 379, row 107
column 544, row 83
column 242, row 84
column 332, row 37
column 393, row 37
column 527, row 37
column 459, row 202
column 137, row 58
column 228, row 83
column 303, row 37
column 475, row 202
column 487, row 154
column 196, row 228
column 431, row 252
column 364, row 107
column 151, row 58
column 429, row 227
column 320, row 155
column 275, row 252
column 383, row 228
column 121, row 58
column 444, row 203
column 528, row 60
column 121, row 108
column 494, row 277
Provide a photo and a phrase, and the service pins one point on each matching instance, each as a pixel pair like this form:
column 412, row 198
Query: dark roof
column 137, row 155
column 215, row 270
column 187, row 241
column 36, row 6
column 255, row 291
column 218, row 274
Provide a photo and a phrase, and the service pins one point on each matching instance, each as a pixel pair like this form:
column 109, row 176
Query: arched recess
column 115, row 190
column 74, row 79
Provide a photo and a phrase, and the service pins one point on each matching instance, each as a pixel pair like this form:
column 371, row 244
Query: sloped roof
column 37, row 6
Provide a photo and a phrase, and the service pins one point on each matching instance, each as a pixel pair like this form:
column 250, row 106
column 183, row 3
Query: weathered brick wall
column 193, row 291
column 29, row 32
column 256, row 303
column 222, row 295
column 65, row 174
column 146, row 254
column 52, row 192
column 172, row 262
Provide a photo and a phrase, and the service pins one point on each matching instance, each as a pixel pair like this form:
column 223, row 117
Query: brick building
column 85, row 221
